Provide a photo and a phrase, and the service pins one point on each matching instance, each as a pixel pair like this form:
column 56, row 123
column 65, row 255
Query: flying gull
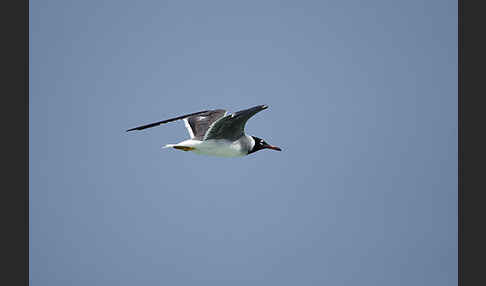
column 217, row 133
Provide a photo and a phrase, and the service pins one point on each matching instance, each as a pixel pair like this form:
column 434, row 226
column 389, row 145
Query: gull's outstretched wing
column 232, row 126
column 196, row 123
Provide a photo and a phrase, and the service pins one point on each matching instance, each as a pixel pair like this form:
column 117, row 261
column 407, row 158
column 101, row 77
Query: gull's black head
column 260, row 144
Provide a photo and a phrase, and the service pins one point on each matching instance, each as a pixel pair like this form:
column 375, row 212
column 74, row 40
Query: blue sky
column 363, row 102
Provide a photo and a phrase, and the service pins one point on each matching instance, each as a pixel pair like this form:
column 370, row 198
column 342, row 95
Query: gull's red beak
column 273, row 147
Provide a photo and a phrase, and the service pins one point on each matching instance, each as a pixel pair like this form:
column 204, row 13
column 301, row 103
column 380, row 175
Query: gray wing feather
column 166, row 121
column 232, row 126
column 200, row 123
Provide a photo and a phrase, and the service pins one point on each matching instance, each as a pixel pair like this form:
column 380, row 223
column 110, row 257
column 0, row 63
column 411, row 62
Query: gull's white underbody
column 216, row 147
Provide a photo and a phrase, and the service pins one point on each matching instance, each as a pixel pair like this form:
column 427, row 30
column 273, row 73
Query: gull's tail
column 169, row 146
